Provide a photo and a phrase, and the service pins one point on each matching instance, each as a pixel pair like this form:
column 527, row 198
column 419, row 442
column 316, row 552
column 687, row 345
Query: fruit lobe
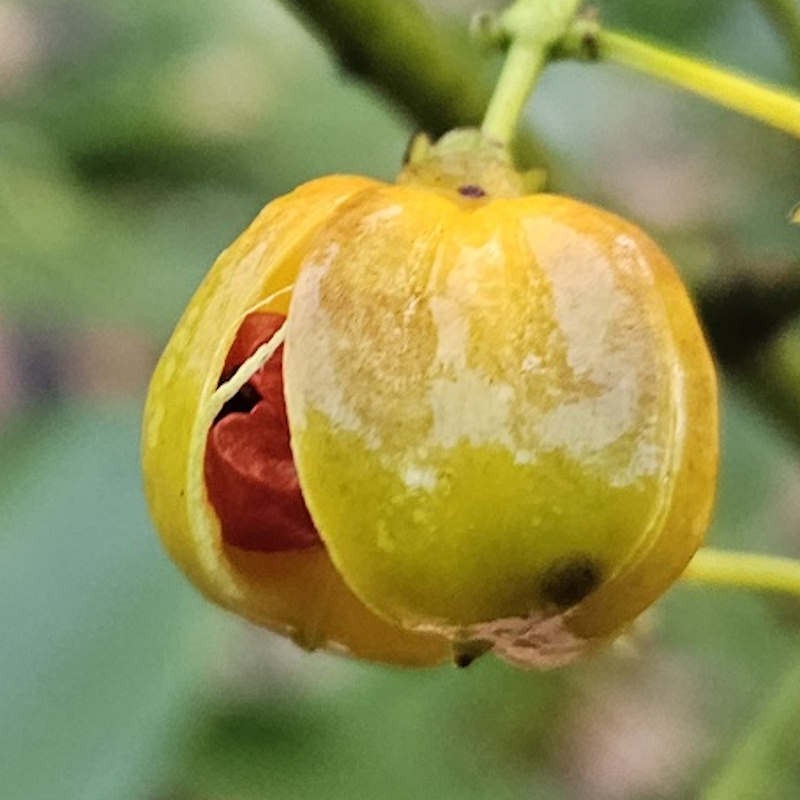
column 297, row 593
column 503, row 416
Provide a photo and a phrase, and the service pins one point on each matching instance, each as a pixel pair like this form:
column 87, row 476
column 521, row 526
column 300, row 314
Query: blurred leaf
column 738, row 644
column 238, row 94
column 684, row 22
column 382, row 733
column 765, row 764
column 122, row 179
column 98, row 658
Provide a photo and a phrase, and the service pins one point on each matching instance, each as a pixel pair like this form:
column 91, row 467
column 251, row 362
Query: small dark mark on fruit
column 570, row 580
column 471, row 190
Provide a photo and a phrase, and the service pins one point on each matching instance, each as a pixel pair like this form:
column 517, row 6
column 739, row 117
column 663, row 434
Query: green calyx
column 469, row 163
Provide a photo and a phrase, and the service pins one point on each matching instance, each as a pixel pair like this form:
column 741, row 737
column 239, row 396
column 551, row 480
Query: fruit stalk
column 745, row 571
column 534, row 27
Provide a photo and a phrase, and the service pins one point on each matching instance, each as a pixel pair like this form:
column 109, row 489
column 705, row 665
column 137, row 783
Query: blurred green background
column 136, row 141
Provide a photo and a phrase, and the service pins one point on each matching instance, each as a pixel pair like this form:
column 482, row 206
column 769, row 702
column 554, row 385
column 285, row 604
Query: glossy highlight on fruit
column 501, row 410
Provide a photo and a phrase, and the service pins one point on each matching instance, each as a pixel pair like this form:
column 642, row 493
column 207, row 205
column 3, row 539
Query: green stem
column 533, row 27
column 769, row 104
column 522, row 68
column 745, row 571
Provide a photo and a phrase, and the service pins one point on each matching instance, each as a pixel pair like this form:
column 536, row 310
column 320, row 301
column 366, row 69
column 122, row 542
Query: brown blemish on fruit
column 569, row 580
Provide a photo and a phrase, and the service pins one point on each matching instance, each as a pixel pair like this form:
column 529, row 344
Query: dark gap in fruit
column 249, row 471
column 466, row 652
column 243, row 402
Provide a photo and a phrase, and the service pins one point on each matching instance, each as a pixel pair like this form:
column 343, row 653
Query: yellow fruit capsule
column 502, row 410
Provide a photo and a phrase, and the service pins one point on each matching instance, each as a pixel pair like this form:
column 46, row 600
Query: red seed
column 249, row 471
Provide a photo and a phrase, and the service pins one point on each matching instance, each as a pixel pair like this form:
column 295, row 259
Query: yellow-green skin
column 482, row 394
column 485, row 393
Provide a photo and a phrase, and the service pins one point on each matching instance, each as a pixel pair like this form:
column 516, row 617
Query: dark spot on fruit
column 471, row 190
column 569, row 580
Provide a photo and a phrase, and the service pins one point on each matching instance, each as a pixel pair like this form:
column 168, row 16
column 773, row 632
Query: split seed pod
column 501, row 410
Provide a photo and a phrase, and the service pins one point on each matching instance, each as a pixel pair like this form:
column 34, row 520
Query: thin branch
column 532, row 28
